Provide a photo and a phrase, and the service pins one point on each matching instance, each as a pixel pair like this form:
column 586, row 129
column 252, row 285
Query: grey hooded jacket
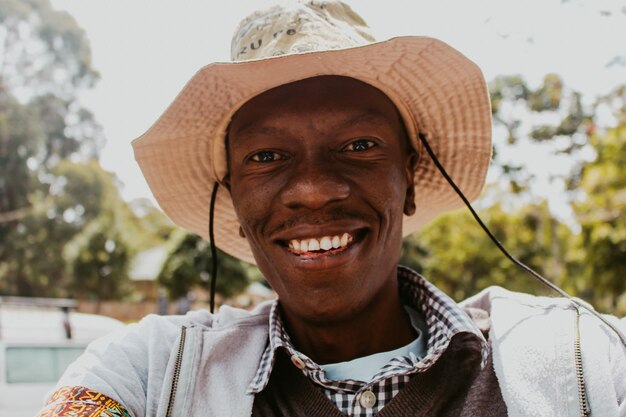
column 201, row 365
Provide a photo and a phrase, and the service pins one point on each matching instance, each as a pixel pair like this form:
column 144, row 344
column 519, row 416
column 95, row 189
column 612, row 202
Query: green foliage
column 65, row 231
column 97, row 251
column 548, row 96
column 46, row 52
column 145, row 226
column 522, row 112
column 56, row 247
column 601, row 248
column 616, row 102
column 569, row 125
column 456, row 255
column 20, row 136
column 506, row 88
column 55, row 215
column 188, row 266
column 100, row 269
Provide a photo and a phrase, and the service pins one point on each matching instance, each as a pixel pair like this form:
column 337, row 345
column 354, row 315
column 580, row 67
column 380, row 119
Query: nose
column 313, row 185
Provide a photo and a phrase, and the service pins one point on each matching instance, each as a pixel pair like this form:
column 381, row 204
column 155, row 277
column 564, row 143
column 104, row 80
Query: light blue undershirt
column 363, row 369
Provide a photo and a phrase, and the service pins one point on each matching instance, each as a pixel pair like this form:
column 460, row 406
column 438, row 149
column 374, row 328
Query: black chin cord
column 506, row 253
column 213, row 248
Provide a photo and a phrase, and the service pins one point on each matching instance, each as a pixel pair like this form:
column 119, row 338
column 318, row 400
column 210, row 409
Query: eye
column 266, row 156
column 359, row 145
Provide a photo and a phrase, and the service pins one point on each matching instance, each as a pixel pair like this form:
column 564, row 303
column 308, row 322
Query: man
column 313, row 140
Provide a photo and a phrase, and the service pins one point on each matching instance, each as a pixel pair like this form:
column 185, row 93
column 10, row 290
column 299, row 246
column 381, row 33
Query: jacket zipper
column 580, row 376
column 176, row 375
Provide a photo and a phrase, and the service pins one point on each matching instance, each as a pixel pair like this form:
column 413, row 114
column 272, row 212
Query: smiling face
column 320, row 175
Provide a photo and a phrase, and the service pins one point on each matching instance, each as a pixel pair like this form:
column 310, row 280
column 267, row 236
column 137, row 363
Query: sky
column 146, row 50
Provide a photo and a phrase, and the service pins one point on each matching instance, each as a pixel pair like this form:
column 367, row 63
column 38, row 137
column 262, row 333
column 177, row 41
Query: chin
column 324, row 311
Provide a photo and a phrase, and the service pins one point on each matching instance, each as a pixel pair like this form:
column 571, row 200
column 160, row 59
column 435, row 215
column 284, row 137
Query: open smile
column 326, row 245
column 323, row 246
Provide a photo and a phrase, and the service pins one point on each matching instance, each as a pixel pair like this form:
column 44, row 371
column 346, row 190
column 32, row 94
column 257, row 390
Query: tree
column 20, row 134
column 59, row 246
column 45, row 62
column 586, row 258
column 98, row 249
column 457, row 256
column 45, row 52
column 519, row 114
column 45, row 200
column 189, row 263
column 601, row 247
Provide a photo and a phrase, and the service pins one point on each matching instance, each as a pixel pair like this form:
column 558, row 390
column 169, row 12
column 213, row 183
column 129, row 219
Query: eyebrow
column 368, row 116
column 262, row 130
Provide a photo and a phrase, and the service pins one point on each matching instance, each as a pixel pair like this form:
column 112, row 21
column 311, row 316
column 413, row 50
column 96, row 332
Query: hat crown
column 299, row 27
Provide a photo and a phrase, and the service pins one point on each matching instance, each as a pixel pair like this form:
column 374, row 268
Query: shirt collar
column 444, row 319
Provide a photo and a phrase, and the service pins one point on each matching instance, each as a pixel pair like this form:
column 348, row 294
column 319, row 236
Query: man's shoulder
column 534, row 342
column 498, row 296
column 512, row 311
column 160, row 332
column 120, row 363
column 226, row 317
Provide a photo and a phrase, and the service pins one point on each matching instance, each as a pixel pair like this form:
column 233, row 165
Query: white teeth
column 344, row 240
column 314, row 245
column 324, row 243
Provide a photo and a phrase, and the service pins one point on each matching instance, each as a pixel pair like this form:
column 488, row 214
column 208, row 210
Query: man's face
column 320, row 175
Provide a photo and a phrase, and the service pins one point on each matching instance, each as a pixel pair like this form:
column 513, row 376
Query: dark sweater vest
column 454, row 386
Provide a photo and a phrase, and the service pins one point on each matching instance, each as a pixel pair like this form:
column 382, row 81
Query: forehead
column 343, row 101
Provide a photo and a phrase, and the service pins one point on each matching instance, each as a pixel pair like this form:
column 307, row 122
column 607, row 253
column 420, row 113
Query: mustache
column 317, row 217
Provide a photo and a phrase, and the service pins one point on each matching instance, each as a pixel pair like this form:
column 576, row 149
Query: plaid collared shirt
column 443, row 318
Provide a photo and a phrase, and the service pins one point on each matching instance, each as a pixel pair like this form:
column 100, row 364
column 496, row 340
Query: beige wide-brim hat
column 438, row 92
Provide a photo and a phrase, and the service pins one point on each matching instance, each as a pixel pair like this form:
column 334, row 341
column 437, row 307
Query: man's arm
column 121, row 373
column 68, row 401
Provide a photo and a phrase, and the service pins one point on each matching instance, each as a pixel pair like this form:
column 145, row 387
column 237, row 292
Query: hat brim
column 438, row 92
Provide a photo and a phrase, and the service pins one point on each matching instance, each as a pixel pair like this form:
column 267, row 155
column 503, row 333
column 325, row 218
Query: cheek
column 390, row 200
column 252, row 204
column 390, row 192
